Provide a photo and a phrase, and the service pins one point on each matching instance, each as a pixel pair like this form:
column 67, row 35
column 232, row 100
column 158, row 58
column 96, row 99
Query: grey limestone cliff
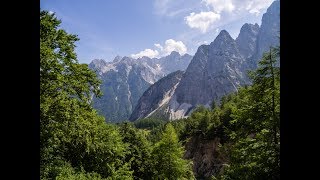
column 156, row 96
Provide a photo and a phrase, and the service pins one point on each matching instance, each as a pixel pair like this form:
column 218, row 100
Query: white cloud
column 201, row 20
column 169, row 46
column 220, row 5
column 158, row 46
column 253, row 6
column 147, row 52
column 172, row 45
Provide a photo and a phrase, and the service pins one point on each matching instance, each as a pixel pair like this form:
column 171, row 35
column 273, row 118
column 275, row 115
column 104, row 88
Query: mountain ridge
column 125, row 79
column 221, row 67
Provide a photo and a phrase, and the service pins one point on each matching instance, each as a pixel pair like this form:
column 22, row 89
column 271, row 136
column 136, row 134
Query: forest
column 77, row 143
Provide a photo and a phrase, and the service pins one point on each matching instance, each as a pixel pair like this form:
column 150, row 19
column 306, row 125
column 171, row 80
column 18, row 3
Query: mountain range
column 215, row 70
column 125, row 79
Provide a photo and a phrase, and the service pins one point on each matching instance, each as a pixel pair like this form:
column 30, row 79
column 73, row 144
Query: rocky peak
column 247, row 27
column 98, row 65
column 117, row 59
column 247, row 39
column 223, row 38
column 98, row 62
column 174, row 54
column 214, row 71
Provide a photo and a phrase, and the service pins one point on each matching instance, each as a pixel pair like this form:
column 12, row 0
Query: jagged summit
column 98, row 61
column 174, row 53
column 125, row 79
column 117, row 59
column 247, row 39
column 249, row 27
column 223, row 38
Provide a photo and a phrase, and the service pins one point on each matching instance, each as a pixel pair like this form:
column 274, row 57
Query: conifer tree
column 167, row 155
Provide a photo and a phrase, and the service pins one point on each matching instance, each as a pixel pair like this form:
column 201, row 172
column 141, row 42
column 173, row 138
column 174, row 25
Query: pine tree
column 167, row 155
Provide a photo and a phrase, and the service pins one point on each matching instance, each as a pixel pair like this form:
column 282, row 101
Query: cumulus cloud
column 147, row 52
column 163, row 50
column 158, row 46
column 220, row 5
column 172, row 45
column 201, row 20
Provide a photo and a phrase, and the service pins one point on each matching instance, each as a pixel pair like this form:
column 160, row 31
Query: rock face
column 204, row 153
column 247, row 40
column 221, row 67
column 125, row 79
column 269, row 32
column 156, row 96
column 215, row 70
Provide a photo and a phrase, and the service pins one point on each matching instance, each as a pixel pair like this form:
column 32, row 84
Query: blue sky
column 151, row 28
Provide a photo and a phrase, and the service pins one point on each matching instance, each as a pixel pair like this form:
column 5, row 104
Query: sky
column 152, row 28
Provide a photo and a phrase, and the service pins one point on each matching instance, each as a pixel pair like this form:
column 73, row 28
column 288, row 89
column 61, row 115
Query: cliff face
column 269, row 33
column 207, row 160
column 247, row 40
column 215, row 70
column 156, row 96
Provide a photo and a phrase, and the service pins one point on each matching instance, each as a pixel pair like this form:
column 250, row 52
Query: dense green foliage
column 139, row 151
column 148, row 123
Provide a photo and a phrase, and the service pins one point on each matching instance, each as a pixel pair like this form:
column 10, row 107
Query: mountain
column 214, row 70
column 156, row 96
column 125, row 79
column 219, row 68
